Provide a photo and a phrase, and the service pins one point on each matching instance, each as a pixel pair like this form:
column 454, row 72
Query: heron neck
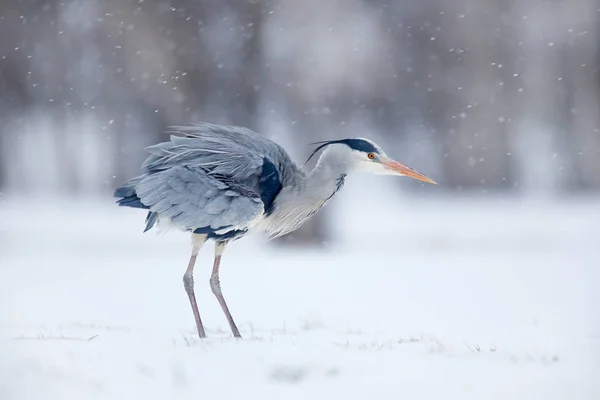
column 299, row 200
column 328, row 175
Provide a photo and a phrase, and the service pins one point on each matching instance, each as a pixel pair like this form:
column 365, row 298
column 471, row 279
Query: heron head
column 365, row 155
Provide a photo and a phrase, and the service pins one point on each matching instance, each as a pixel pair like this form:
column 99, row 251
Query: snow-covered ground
column 465, row 299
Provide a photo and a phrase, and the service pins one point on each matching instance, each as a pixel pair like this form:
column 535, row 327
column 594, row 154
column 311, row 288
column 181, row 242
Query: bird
column 221, row 182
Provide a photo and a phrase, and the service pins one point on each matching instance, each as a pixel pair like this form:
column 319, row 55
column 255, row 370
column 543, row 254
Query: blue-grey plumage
column 221, row 182
column 210, row 178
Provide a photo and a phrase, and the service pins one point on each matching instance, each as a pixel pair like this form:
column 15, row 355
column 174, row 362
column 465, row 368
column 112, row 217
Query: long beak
column 404, row 170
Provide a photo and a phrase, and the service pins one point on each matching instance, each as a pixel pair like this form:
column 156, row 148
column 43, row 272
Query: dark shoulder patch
column 269, row 185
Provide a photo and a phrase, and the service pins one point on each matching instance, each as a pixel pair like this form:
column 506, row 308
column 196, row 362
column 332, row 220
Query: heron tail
column 126, row 195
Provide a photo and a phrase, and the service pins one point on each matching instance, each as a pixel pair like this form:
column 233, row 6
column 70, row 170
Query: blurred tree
column 496, row 94
column 582, row 75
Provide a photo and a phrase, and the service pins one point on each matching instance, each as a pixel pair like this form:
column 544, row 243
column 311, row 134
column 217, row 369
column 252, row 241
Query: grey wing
column 236, row 153
column 193, row 199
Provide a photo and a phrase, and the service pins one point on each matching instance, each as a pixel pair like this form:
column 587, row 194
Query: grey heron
column 221, row 182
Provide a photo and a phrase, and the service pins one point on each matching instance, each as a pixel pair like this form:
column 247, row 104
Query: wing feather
column 213, row 176
column 219, row 205
column 234, row 152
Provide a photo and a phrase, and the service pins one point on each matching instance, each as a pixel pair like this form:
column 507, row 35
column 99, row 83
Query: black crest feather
column 355, row 144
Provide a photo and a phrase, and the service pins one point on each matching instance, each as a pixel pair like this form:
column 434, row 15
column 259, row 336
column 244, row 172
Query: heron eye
column 371, row 156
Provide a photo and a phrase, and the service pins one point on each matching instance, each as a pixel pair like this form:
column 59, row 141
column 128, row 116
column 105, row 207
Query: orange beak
column 404, row 170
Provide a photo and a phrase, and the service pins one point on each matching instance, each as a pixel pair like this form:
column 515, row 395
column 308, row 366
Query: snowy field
column 477, row 299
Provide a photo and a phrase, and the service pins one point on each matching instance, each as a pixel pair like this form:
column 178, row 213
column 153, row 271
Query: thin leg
column 188, row 281
column 215, row 285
